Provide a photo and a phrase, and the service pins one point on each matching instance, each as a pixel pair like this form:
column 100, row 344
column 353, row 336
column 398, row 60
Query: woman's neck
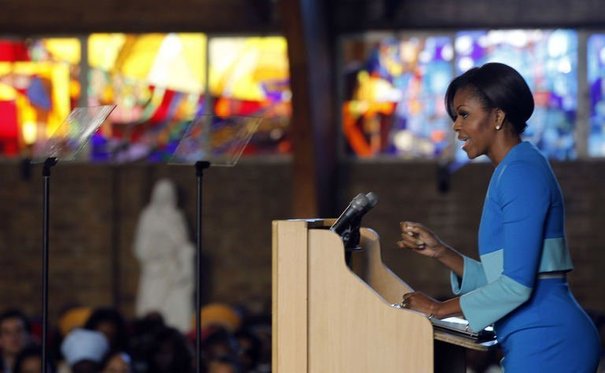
column 503, row 144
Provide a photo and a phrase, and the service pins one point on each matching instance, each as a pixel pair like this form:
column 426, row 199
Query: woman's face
column 473, row 124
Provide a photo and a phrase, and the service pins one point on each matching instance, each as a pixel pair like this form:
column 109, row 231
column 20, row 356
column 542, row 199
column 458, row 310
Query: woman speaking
column 519, row 285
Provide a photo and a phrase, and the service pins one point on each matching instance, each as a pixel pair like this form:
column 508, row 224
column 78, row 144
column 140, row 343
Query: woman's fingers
column 412, row 229
column 405, row 300
column 408, row 226
column 411, row 240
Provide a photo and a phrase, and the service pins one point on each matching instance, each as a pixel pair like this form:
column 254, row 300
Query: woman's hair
column 496, row 85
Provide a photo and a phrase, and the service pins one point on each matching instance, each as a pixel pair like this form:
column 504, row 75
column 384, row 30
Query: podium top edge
column 313, row 223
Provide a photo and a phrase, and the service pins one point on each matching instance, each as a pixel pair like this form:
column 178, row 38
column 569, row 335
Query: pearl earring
column 498, row 128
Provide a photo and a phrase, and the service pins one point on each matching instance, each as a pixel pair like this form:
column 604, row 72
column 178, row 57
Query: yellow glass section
column 172, row 61
column 62, row 49
column 56, row 76
column 240, row 66
column 103, row 50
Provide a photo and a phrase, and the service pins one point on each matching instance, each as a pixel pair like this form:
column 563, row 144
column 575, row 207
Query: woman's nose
column 455, row 125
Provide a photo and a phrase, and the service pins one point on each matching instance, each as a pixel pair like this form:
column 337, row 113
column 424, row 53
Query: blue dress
column 519, row 285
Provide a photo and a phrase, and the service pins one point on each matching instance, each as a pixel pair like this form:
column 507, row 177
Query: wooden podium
column 330, row 318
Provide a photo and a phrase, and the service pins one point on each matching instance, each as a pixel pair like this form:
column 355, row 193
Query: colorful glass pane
column 249, row 76
column 596, row 84
column 157, row 82
column 39, row 85
column 394, row 89
column 547, row 59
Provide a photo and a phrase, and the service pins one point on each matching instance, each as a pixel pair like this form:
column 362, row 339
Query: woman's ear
column 499, row 118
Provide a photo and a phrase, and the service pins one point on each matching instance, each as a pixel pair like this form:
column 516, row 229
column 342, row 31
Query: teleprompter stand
column 48, row 164
column 64, row 144
column 210, row 141
column 200, row 166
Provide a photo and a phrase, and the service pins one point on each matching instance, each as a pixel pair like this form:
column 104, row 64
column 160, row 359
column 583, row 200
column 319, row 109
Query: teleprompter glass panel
column 218, row 140
column 73, row 134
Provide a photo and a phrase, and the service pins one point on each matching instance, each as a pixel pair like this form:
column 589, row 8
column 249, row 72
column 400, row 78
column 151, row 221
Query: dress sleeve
column 523, row 195
column 472, row 278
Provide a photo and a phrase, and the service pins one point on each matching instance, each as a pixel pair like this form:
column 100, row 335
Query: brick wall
column 94, row 211
column 93, row 215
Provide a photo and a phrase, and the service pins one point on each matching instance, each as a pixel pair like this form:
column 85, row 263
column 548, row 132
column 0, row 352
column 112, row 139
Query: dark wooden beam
column 75, row 16
column 310, row 47
column 353, row 16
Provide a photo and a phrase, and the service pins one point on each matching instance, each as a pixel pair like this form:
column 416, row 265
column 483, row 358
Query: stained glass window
column 249, row 76
column 393, row 89
column 596, row 84
column 547, row 59
column 39, row 84
column 157, row 82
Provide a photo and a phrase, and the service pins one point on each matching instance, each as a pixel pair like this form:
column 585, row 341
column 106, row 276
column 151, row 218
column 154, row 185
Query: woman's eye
column 464, row 115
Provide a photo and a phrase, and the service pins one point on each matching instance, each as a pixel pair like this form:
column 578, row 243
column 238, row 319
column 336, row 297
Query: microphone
column 361, row 204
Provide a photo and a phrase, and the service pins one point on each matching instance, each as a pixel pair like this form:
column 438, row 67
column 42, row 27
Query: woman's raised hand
column 416, row 237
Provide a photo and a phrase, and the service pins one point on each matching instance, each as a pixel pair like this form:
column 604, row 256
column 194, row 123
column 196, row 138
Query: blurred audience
column 101, row 340
column 15, row 335
column 111, row 323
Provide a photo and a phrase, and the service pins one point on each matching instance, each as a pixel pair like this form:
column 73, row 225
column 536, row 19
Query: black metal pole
column 45, row 255
column 200, row 166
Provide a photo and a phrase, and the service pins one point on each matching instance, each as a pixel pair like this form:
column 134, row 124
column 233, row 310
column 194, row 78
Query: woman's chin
column 470, row 154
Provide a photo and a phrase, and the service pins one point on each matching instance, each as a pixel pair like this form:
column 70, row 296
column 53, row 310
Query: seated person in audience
column 14, row 337
column 29, row 360
column 84, row 350
column 219, row 343
column 224, row 364
column 111, row 323
column 141, row 341
column 72, row 317
column 170, row 352
column 117, row 362
column 249, row 349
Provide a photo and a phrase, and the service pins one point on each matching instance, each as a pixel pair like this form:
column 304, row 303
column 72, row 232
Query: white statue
column 166, row 257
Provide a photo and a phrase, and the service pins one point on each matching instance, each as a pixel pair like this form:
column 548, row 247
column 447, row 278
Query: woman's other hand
column 420, row 302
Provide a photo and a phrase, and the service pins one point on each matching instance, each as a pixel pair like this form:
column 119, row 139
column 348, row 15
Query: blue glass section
column 547, row 59
column 394, row 96
column 596, row 84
